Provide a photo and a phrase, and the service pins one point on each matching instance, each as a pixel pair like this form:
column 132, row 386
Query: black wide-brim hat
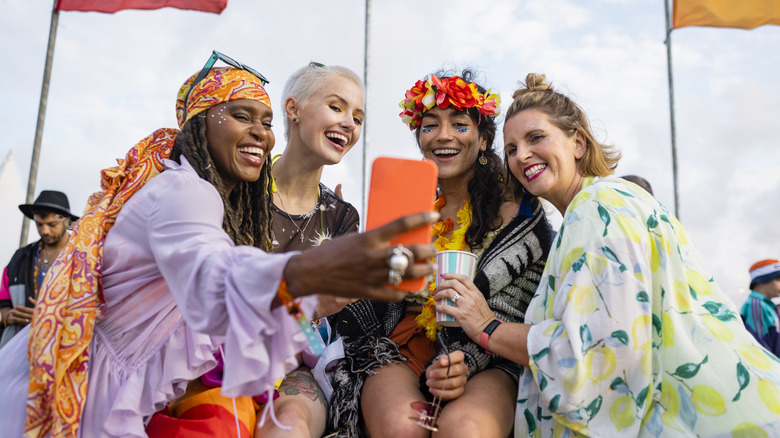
column 50, row 200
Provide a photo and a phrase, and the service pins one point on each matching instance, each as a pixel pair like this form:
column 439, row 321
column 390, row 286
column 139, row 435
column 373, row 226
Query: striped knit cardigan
column 508, row 273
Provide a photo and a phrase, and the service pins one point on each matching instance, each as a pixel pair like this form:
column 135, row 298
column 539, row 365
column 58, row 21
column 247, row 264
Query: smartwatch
column 485, row 335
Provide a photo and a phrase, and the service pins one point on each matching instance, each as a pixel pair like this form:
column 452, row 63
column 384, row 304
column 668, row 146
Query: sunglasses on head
column 227, row 60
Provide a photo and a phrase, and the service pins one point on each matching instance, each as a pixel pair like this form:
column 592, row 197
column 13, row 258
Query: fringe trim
column 363, row 356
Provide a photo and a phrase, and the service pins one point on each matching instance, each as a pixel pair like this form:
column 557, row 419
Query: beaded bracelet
column 294, row 309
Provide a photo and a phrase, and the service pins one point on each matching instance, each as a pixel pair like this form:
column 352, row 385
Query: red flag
column 111, row 6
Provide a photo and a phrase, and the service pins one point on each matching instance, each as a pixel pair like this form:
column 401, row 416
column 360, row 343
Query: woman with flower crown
column 392, row 357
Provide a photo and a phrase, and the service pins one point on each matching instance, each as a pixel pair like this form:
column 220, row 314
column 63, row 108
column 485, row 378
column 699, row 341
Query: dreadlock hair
column 486, row 187
column 247, row 218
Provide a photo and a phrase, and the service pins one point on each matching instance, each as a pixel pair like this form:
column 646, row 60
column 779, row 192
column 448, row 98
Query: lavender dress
column 176, row 288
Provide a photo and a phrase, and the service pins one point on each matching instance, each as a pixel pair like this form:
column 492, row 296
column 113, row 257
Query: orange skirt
column 202, row 412
column 413, row 343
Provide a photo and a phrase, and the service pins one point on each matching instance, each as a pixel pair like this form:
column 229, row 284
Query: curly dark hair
column 247, row 218
column 486, row 187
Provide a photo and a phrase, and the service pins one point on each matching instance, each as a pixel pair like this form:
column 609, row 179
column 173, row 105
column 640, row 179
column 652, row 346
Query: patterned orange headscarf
column 71, row 300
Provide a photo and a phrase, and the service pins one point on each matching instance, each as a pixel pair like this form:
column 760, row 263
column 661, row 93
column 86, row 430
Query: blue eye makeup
column 463, row 129
column 427, row 130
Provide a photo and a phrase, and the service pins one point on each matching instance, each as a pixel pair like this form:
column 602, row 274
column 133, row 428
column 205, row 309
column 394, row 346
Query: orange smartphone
column 400, row 187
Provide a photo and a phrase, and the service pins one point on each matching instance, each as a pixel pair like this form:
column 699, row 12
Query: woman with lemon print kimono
column 628, row 334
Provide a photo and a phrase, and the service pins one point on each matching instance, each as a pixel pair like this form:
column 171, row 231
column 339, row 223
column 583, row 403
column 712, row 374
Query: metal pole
column 367, row 42
column 39, row 126
column 671, row 109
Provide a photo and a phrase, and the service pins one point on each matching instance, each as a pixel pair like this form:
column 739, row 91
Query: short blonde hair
column 599, row 159
column 302, row 84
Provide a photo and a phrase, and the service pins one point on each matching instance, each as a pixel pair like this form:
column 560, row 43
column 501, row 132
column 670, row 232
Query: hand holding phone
column 400, row 187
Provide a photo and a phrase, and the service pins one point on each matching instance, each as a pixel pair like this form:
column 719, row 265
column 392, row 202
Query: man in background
column 638, row 180
column 759, row 311
column 24, row 275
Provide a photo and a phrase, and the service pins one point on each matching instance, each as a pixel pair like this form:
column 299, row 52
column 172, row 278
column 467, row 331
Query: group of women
column 198, row 275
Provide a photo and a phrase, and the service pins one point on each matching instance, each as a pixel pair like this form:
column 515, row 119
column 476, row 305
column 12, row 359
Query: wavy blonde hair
column 536, row 93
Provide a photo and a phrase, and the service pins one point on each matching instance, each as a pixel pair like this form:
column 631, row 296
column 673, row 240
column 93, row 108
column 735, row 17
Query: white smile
column 533, row 170
column 253, row 150
column 338, row 138
column 446, row 152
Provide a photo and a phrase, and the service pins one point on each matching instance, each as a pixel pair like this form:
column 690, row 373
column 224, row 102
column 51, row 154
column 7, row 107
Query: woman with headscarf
column 628, row 334
column 169, row 261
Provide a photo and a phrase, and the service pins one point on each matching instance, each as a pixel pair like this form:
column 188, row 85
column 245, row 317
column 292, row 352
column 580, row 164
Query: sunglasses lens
column 228, row 60
column 256, row 73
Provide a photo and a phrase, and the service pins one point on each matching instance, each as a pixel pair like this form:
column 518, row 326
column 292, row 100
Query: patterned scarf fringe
column 350, row 375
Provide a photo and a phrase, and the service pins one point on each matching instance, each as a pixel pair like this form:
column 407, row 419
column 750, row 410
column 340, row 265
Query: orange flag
column 745, row 14
column 111, row 6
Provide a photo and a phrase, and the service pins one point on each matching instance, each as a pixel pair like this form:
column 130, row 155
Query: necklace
column 305, row 223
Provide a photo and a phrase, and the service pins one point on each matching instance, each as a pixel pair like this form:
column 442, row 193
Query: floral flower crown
column 443, row 93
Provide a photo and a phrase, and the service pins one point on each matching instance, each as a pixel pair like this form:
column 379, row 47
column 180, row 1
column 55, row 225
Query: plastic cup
column 453, row 262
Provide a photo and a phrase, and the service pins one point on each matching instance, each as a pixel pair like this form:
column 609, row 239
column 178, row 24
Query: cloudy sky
column 115, row 78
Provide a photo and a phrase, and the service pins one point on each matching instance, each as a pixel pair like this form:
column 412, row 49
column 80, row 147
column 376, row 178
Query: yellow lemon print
column 670, row 399
column 754, row 356
column 574, row 378
column 551, row 329
column 747, row 430
column 667, row 325
column 600, row 363
column 708, row 401
column 647, row 360
column 641, row 332
column 578, row 200
column 610, row 197
column 569, row 260
column 682, row 296
column 718, row 328
column 698, row 283
column 623, row 412
column 596, row 263
column 584, row 299
column 631, row 228
column 769, row 394
column 679, row 231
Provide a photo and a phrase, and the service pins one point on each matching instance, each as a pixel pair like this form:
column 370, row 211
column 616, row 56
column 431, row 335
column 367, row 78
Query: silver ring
column 394, row 277
column 455, row 299
column 398, row 259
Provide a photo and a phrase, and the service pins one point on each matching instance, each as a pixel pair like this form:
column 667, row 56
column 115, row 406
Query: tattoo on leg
column 301, row 382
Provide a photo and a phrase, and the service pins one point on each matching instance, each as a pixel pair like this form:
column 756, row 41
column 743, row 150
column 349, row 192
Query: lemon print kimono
column 632, row 337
